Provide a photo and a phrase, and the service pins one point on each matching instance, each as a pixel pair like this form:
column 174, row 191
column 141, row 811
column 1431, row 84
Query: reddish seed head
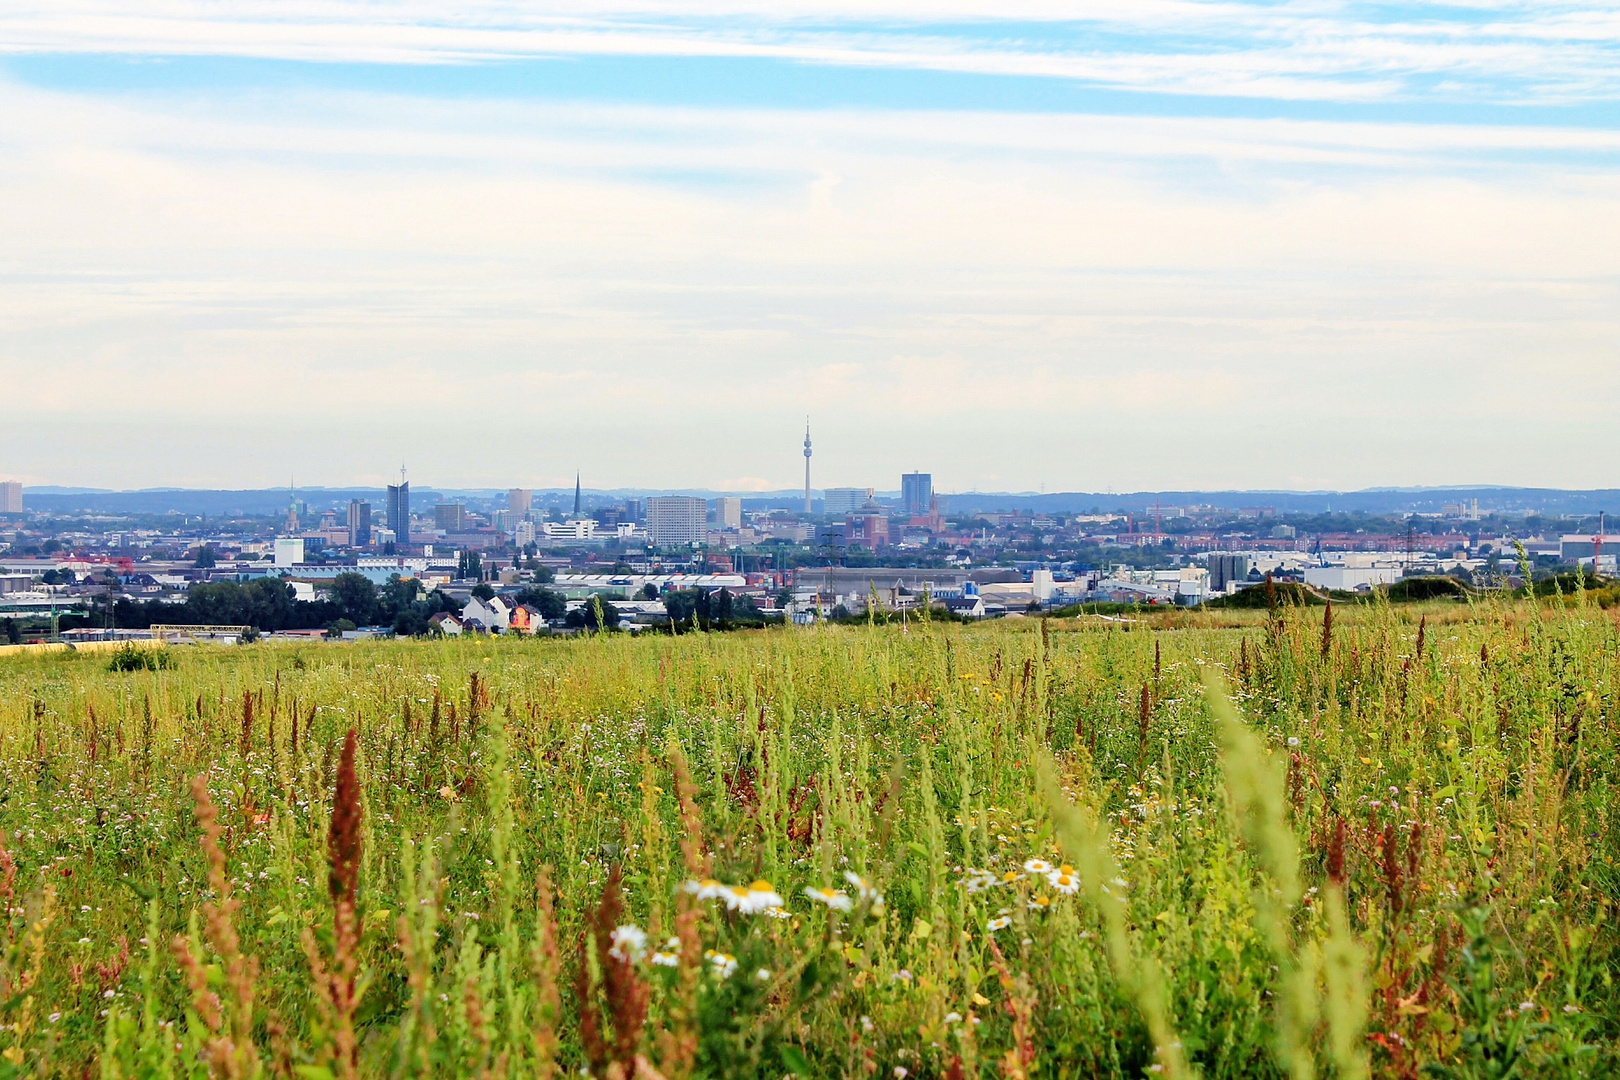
column 343, row 841
column 1335, row 854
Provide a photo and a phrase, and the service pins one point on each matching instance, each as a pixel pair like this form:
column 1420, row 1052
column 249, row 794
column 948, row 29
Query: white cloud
column 1521, row 51
column 493, row 289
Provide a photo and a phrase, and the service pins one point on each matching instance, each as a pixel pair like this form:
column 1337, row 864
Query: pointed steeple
column 576, row 494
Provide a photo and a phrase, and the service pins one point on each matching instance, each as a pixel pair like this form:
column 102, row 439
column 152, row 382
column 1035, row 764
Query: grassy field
column 1019, row 849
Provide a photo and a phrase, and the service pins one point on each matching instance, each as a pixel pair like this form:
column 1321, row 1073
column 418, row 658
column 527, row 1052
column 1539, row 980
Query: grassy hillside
column 1013, row 850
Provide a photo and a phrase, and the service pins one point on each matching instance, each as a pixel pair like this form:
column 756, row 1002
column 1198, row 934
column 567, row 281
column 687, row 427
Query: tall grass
column 1260, row 846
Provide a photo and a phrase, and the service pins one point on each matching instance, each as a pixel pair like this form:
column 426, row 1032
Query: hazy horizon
column 1160, row 245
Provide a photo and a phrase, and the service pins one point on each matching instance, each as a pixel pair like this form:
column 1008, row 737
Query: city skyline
column 1158, row 245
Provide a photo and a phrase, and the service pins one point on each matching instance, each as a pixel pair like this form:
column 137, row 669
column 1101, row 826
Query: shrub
column 132, row 657
column 1412, row 589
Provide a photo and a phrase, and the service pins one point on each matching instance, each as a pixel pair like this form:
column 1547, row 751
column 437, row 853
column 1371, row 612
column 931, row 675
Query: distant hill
column 1370, row 501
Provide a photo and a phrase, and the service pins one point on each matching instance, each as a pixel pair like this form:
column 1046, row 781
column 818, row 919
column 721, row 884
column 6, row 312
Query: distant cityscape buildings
column 1224, row 569
column 288, row 552
column 849, row 548
column 916, row 493
column 359, row 523
column 399, row 510
column 841, row 501
column 728, row 512
column 646, row 557
column 676, row 519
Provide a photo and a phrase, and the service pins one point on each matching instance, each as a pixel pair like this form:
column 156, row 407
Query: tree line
column 269, row 604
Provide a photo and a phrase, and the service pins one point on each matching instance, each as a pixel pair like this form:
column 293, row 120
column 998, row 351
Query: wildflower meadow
column 1367, row 840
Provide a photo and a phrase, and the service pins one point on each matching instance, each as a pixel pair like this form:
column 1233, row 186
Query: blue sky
column 1085, row 245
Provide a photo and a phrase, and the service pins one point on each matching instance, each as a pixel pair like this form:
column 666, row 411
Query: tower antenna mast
column 807, row 465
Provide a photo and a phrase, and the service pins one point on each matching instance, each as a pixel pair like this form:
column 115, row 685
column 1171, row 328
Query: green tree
column 396, row 596
column 584, row 617
column 410, row 624
column 483, row 591
column 355, row 597
column 550, row 605
column 205, row 557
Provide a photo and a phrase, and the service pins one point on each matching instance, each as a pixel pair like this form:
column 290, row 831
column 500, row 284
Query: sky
column 1023, row 245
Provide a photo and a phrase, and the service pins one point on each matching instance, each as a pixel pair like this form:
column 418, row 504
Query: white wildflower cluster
column 756, row 899
column 1062, row 879
column 724, row 965
column 866, row 893
column 669, row 955
column 835, row 899
column 629, row 944
column 840, row 900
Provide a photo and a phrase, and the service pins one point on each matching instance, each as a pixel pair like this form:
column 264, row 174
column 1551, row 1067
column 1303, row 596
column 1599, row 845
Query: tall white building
column 676, row 519
column 11, row 497
column 728, row 512
column 289, row 550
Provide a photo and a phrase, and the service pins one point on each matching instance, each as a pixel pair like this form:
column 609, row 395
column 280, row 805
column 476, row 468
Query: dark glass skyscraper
column 916, row 492
column 359, row 523
column 399, row 511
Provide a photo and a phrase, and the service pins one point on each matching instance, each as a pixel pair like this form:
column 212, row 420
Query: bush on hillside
column 132, row 657
column 1284, row 594
column 1411, row 589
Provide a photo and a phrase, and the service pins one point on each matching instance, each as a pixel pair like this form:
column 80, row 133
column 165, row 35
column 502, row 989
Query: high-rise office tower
column 399, row 511
column 11, row 497
column 359, row 523
column 916, row 492
column 676, row 519
column 840, row 501
column 450, row 517
column 520, row 501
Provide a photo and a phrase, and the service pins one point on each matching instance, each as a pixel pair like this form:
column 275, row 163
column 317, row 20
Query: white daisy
column 629, row 943
column 835, row 899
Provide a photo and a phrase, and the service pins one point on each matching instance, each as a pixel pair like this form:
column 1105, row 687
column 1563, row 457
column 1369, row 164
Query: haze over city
column 1105, row 247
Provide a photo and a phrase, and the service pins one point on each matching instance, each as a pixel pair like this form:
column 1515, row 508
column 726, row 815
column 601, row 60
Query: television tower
column 807, row 465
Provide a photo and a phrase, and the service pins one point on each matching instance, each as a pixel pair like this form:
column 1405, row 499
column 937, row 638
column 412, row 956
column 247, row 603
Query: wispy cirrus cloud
column 1485, row 50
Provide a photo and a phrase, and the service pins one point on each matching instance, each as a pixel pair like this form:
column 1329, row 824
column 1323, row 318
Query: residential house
column 446, row 623
column 491, row 616
column 526, row 620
